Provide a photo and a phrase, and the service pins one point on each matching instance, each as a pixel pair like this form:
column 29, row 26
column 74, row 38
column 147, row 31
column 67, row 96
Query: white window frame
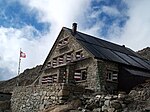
column 112, row 76
column 79, row 74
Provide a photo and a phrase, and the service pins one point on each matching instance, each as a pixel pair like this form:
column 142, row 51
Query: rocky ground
column 145, row 53
column 138, row 100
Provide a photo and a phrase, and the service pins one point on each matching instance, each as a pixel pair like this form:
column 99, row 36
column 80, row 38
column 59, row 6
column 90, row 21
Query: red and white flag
column 22, row 54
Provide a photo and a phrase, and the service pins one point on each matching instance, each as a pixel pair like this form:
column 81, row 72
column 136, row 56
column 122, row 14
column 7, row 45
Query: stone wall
column 38, row 98
column 102, row 84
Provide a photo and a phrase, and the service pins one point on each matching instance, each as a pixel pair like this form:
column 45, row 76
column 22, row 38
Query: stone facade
column 104, row 83
column 38, row 98
column 84, row 63
column 69, row 62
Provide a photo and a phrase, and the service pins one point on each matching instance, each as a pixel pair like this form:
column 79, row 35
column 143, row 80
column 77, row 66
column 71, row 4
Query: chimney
column 74, row 28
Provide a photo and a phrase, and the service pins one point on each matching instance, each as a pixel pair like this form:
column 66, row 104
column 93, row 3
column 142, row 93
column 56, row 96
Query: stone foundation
column 38, row 98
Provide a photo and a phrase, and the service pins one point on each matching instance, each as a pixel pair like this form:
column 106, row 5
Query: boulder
column 65, row 108
column 63, row 93
column 111, row 109
column 108, row 97
column 121, row 96
column 97, row 110
column 107, row 102
column 115, row 104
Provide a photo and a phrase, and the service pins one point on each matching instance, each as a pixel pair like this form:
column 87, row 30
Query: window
column 46, row 79
column 69, row 57
column 61, row 59
column 54, row 77
column 64, row 76
column 112, row 76
column 49, row 64
column 80, row 75
column 55, row 62
column 49, row 79
column 63, row 42
column 79, row 55
column 60, row 43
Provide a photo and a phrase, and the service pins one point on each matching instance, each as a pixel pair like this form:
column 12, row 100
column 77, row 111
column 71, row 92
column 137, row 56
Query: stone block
column 35, row 94
column 121, row 96
column 107, row 102
column 115, row 104
column 98, row 96
column 97, row 110
column 123, row 105
column 108, row 97
column 104, row 108
column 115, row 96
column 42, row 107
column 53, row 97
column 111, row 109
column 63, row 93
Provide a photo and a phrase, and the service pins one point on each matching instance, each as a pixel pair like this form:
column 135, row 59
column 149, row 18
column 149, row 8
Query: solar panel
column 106, row 44
column 89, row 39
column 142, row 62
column 94, row 51
column 109, row 54
column 148, row 61
column 129, row 60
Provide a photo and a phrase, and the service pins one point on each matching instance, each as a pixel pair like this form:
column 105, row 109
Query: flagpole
column 19, row 68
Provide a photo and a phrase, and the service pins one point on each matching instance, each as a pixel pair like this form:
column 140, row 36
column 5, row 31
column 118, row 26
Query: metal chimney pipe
column 74, row 28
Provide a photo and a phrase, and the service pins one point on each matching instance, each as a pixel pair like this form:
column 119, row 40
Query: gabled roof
column 105, row 50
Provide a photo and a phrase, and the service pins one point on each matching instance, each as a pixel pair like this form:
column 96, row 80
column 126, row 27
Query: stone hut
column 93, row 63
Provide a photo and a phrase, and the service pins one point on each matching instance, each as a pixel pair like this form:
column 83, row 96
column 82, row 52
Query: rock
column 147, row 109
column 65, row 108
column 63, row 93
column 133, row 93
column 85, row 110
column 74, row 111
column 111, row 109
column 104, row 108
column 115, row 96
column 42, row 107
column 98, row 96
column 92, row 103
column 108, row 97
column 79, row 108
column 97, row 110
column 121, row 96
column 128, row 100
column 76, row 103
column 123, row 105
column 115, row 104
column 107, row 102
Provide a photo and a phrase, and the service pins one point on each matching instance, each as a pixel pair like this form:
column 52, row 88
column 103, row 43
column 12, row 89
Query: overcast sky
column 33, row 25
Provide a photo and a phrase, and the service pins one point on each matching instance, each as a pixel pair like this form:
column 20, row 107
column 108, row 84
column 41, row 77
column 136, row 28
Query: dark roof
column 105, row 50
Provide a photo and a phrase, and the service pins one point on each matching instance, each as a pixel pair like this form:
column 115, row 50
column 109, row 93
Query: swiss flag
column 22, row 54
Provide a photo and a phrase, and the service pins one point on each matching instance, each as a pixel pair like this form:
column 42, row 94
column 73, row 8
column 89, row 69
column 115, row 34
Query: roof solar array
column 109, row 51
